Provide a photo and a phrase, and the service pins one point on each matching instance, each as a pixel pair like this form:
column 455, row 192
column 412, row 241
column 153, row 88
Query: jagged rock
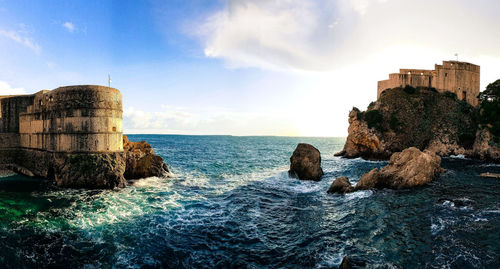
column 141, row 162
column 346, row 263
column 340, row 185
column 482, row 148
column 406, row 169
column 305, row 163
column 361, row 140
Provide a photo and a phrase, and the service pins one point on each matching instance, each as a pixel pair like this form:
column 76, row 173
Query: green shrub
column 409, row 89
column 374, row 119
column 371, row 105
column 450, row 95
column 394, row 122
column 489, row 115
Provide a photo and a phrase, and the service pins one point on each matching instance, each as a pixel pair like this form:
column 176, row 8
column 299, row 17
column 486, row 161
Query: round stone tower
column 83, row 118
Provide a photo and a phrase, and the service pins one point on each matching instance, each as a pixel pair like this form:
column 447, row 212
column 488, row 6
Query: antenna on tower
column 456, row 55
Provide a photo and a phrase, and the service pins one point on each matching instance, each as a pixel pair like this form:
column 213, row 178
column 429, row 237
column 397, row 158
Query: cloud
column 210, row 121
column 272, row 34
column 6, row 89
column 23, row 40
column 69, row 26
column 319, row 35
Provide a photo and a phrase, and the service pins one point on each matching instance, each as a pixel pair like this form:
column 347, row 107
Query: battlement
column 461, row 78
column 83, row 118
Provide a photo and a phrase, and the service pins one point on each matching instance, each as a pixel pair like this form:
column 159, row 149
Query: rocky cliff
column 89, row 170
column 409, row 117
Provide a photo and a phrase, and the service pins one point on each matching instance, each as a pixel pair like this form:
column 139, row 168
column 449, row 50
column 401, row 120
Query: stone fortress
column 71, row 134
column 457, row 77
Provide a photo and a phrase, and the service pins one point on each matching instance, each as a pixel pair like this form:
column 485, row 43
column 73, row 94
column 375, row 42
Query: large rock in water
column 305, row 163
column 482, row 148
column 141, row 161
column 406, row 169
column 340, row 185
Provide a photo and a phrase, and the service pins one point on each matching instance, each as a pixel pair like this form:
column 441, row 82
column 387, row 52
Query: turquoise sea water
column 231, row 204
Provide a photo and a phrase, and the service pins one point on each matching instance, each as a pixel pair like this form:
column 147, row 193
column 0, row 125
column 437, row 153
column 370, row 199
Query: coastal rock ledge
column 407, row 169
column 305, row 163
column 142, row 162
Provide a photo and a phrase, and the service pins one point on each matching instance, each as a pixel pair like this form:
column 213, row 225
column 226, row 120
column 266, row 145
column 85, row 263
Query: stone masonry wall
column 458, row 77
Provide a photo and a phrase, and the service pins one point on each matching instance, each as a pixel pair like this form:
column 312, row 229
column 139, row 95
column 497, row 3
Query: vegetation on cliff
column 489, row 112
column 411, row 117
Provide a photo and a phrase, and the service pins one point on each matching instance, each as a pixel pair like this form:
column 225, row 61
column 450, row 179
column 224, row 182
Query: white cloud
column 23, row 40
column 210, row 121
column 272, row 34
column 6, row 89
column 69, row 26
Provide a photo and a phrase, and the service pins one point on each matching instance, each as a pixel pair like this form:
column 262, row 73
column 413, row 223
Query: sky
column 239, row 67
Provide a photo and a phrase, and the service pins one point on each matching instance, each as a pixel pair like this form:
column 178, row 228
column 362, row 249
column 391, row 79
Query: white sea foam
column 358, row 195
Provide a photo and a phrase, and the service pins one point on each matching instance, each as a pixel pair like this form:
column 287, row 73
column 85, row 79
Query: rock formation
column 305, row 163
column 482, row 148
column 407, row 169
column 141, row 162
column 340, row 185
column 402, row 118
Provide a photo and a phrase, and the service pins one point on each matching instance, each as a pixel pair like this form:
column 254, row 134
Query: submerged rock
column 340, row 185
column 141, row 161
column 406, row 169
column 305, row 163
column 346, row 263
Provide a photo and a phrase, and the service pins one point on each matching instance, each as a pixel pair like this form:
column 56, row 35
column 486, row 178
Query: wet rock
column 141, row 161
column 90, row 171
column 340, row 185
column 482, row 148
column 346, row 263
column 406, row 169
column 305, row 163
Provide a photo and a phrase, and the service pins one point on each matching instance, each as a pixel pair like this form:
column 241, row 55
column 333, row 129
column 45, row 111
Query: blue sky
column 241, row 67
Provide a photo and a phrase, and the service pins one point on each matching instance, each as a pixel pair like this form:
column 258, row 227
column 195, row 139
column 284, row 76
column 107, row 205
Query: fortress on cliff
column 457, row 77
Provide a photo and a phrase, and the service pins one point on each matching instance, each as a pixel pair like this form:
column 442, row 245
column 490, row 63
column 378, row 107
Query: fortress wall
column 11, row 107
column 414, row 79
column 461, row 78
column 74, row 119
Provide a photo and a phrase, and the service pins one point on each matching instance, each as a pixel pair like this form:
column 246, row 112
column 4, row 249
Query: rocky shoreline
column 93, row 170
column 424, row 119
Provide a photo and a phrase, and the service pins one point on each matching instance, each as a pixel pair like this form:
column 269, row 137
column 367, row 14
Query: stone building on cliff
column 457, row 77
column 71, row 134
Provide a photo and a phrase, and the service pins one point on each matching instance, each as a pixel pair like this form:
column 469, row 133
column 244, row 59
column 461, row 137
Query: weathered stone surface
column 361, row 140
column 340, row 185
column 91, row 171
column 406, row 169
column 482, row 148
column 305, row 163
column 490, row 175
column 141, row 162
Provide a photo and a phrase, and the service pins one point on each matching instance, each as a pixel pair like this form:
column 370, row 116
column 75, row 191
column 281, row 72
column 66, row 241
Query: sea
column 231, row 204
